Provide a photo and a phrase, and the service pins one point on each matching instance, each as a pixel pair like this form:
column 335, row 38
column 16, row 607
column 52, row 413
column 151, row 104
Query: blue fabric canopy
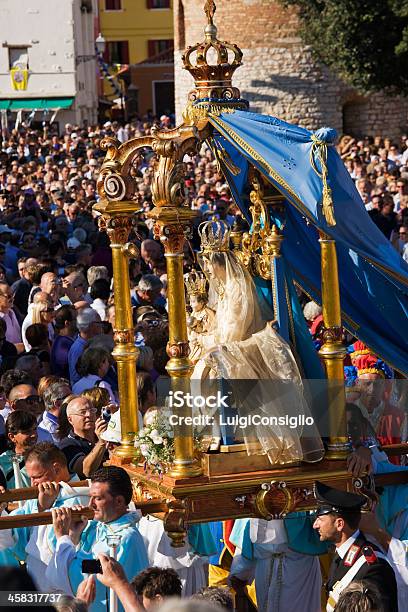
column 373, row 277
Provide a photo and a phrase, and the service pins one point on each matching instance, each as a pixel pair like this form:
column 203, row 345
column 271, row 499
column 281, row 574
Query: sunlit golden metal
column 117, row 221
column 333, row 351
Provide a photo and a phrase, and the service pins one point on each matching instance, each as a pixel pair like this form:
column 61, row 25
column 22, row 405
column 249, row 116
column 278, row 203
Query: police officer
column 338, row 519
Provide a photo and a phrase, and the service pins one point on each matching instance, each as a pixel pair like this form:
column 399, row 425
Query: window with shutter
column 155, row 47
column 158, row 4
column 18, row 56
column 116, row 52
column 113, row 5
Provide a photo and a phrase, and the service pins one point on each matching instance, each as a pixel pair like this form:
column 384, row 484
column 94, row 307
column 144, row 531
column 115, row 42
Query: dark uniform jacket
column 376, row 570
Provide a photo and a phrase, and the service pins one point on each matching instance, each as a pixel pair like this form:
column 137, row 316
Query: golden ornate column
column 333, row 351
column 172, row 226
column 117, row 208
column 118, row 226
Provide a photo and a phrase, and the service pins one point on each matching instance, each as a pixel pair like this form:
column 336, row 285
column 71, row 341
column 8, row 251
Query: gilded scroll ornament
column 118, row 229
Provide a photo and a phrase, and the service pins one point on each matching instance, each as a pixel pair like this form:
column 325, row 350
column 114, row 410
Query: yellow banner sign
column 19, row 77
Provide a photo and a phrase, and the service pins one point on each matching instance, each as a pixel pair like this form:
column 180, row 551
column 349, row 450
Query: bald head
column 21, row 392
column 48, row 280
column 81, row 415
column 78, row 404
column 150, row 251
column 41, row 297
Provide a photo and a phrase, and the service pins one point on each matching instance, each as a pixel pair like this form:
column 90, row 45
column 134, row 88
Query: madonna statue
column 247, row 351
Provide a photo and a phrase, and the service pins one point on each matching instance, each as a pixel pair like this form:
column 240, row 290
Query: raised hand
column 359, row 462
column 112, row 572
column 47, row 494
column 77, row 527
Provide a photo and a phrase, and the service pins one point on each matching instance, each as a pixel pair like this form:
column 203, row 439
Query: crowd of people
column 379, row 168
column 59, row 385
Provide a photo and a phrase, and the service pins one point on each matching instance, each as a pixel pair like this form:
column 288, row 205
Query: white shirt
column 100, row 307
column 48, row 423
column 342, row 550
column 29, row 321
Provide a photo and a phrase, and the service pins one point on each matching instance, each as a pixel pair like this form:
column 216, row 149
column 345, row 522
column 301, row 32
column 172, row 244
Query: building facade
column 140, row 33
column 278, row 75
column 47, row 60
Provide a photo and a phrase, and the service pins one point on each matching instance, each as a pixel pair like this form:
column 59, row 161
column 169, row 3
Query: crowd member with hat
column 370, row 390
column 375, row 401
column 337, row 520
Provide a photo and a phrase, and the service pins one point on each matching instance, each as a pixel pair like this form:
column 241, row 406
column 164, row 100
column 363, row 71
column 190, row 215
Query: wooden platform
column 261, row 491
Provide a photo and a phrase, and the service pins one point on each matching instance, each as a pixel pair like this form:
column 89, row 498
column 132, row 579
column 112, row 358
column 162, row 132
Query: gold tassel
column 319, row 148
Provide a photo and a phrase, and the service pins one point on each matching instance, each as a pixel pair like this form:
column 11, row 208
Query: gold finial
column 273, row 242
column 209, row 10
column 212, row 64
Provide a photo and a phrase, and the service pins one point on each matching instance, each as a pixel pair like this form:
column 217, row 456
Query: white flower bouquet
column 156, row 443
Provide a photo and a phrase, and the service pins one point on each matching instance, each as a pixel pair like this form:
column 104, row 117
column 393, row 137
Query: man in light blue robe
column 279, row 554
column 47, row 468
column 188, row 561
column 110, row 495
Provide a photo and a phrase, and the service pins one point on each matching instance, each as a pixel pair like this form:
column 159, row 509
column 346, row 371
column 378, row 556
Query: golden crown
column 215, row 236
column 213, row 76
column 196, row 283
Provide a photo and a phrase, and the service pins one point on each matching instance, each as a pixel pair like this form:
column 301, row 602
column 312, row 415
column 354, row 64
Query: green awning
column 36, row 103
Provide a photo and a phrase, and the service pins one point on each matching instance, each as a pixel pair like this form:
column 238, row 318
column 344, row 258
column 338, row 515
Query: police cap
column 337, row 501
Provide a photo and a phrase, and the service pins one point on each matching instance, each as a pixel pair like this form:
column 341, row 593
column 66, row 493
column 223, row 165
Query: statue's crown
column 215, row 236
column 212, row 63
column 196, row 283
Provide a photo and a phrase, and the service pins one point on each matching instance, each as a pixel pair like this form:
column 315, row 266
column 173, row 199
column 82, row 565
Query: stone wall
column 278, row 75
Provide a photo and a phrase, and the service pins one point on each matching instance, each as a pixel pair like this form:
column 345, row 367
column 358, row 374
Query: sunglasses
column 30, row 400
